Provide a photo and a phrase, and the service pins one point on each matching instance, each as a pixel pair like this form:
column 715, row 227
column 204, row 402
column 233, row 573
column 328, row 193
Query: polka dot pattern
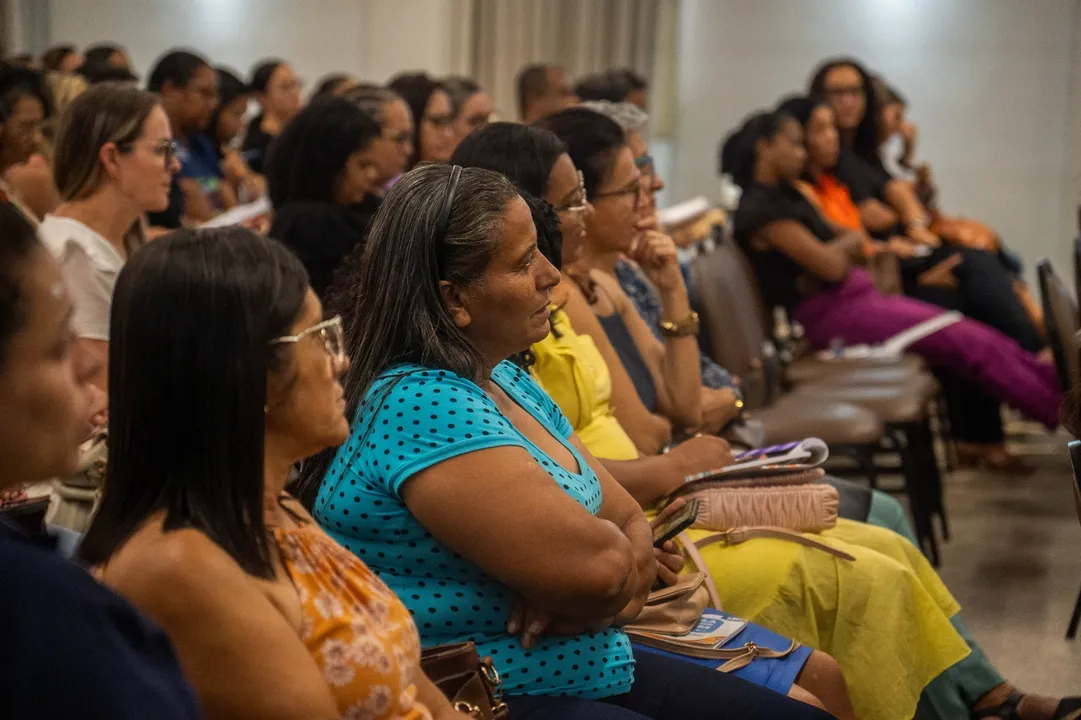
column 413, row 418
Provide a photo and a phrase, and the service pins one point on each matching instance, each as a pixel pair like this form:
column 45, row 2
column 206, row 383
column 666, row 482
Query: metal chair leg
column 1075, row 619
column 920, row 504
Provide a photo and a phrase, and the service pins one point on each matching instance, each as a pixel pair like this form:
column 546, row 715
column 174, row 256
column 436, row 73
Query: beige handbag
column 794, row 501
column 77, row 496
column 672, row 613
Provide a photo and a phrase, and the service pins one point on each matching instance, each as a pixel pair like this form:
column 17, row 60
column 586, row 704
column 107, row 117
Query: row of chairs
column 878, row 413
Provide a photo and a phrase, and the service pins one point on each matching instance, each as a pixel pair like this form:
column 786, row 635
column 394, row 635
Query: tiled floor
column 1014, row 563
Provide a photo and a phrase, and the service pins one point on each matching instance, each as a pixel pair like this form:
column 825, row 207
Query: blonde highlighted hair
column 105, row 113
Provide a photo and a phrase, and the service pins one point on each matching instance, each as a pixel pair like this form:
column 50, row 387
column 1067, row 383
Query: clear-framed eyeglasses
column 331, row 333
column 579, row 203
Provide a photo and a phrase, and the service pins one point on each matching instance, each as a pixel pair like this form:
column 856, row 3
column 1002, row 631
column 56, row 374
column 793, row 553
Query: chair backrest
column 729, row 308
column 1061, row 323
column 1077, row 265
column 1075, row 461
column 732, row 315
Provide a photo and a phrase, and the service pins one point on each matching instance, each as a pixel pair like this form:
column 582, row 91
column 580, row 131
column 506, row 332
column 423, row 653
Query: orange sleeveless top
column 836, row 203
column 359, row 633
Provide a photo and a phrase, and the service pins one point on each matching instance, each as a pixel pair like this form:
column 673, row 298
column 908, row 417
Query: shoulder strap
column 736, row 536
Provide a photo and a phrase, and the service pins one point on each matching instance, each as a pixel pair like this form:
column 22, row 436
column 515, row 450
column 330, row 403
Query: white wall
column 994, row 85
column 370, row 38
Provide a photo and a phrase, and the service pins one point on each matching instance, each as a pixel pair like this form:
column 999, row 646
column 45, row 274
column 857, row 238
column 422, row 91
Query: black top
column 779, row 276
column 864, row 181
column 632, row 360
column 71, row 648
column 256, row 144
column 323, row 234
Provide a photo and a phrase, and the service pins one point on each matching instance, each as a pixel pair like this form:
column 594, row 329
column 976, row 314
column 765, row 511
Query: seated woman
column 270, row 617
column 536, row 160
column 429, row 104
column 975, row 416
column 58, row 622
column 806, row 267
column 392, row 150
column 889, row 206
column 320, row 171
column 441, row 421
column 608, row 246
column 114, row 160
column 277, row 89
column 470, row 105
column 774, row 577
column 25, row 176
column 240, row 184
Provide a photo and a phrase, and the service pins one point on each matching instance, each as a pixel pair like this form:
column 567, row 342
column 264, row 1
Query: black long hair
column 192, row 319
column 306, row 160
column 591, row 139
column 866, row 140
column 416, row 89
column 390, row 302
column 19, row 243
column 524, row 155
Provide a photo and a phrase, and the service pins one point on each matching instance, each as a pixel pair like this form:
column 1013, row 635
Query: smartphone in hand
column 676, row 524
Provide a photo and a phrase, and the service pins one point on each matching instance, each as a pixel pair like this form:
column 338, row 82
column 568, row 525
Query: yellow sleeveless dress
column 885, row 617
column 572, row 371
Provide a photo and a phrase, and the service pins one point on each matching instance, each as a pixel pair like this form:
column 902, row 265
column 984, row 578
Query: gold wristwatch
column 686, row 327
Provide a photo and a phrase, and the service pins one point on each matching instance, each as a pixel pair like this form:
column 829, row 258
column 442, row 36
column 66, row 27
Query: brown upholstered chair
column 1075, row 461
column 1061, row 324
column 898, row 393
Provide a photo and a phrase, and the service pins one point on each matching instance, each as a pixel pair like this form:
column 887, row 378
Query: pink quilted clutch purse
column 793, row 501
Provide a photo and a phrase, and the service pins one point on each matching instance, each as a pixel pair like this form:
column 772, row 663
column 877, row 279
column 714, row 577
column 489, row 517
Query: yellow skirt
column 885, row 617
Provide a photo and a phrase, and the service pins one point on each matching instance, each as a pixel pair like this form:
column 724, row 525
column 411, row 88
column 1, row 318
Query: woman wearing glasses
column 464, row 486
column 393, row 148
column 666, row 373
column 270, row 618
column 114, row 161
column 434, row 137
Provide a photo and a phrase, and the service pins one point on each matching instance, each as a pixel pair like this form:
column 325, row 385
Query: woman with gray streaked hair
column 392, row 150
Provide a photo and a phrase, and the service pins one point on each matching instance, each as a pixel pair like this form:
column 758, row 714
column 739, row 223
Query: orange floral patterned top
column 360, row 634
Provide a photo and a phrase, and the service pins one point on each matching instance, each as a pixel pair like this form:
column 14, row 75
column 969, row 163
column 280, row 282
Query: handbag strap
column 696, row 559
column 735, row 536
column 750, row 652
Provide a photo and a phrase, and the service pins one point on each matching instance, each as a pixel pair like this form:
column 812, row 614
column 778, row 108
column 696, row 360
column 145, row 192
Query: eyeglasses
column 579, row 202
column 442, row 122
column 331, row 333
column 649, row 174
column 855, row 91
column 635, row 189
column 166, row 149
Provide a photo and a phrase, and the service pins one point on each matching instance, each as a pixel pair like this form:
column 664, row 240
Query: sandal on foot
column 1067, row 709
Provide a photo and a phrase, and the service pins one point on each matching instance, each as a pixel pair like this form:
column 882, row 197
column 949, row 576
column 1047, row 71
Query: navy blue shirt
column 71, row 648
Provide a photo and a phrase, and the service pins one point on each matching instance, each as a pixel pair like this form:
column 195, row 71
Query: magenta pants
column 857, row 313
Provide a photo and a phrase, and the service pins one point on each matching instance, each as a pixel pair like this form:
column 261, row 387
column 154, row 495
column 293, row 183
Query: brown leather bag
column 470, row 683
